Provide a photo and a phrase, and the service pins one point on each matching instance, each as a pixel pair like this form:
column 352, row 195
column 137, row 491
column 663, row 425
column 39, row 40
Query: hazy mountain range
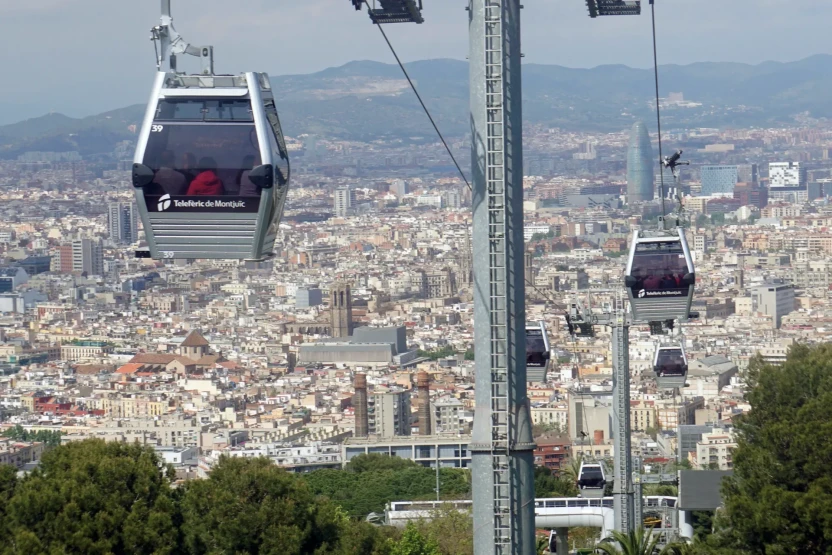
column 369, row 100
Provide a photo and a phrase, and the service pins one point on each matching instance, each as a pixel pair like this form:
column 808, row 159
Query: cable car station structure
column 502, row 443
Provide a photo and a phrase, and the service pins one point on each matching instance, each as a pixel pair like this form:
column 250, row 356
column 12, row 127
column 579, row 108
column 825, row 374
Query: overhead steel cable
column 658, row 110
column 419, row 97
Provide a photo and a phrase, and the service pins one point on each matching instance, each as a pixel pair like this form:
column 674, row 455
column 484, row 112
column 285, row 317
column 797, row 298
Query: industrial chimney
column 423, row 392
column 359, row 402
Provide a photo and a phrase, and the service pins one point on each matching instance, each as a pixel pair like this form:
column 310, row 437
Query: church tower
column 340, row 310
column 194, row 347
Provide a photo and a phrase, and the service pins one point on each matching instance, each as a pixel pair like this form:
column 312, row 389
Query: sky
column 81, row 57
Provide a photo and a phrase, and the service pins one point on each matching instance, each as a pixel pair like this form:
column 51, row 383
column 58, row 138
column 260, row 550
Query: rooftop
column 195, row 339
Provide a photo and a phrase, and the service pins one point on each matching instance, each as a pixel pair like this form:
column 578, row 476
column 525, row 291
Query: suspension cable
column 419, row 97
column 658, row 111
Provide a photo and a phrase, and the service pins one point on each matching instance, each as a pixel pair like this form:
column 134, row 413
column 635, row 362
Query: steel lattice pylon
column 502, row 461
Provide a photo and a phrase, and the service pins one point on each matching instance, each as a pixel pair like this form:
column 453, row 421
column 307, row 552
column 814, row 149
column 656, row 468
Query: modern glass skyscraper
column 639, row 165
column 718, row 180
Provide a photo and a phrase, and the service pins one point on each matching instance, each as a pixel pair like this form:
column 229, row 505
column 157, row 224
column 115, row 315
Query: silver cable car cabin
column 671, row 366
column 592, row 480
column 211, row 169
column 538, row 351
column 660, row 276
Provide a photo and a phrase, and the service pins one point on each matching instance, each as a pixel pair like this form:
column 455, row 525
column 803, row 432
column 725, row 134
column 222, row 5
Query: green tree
column 542, row 236
column 540, row 429
column 362, row 538
column 375, row 462
column 660, row 489
column 49, row 437
column 451, row 529
column 684, row 464
column 253, row 506
column 572, row 471
column 369, row 482
column 703, row 524
column 683, row 548
column 469, row 354
column 94, row 497
column 639, row 542
column 414, row 543
column 16, row 432
column 8, row 483
column 547, row 484
column 436, row 354
column 583, row 537
column 779, row 499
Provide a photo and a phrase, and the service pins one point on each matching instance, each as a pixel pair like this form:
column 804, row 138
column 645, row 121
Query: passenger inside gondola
column 670, row 362
column 187, row 167
column 591, row 477
column 225, row 151
column 247, row 187
column 206, row 182
column 170, row 180
column 536, row 352
column 659, row 272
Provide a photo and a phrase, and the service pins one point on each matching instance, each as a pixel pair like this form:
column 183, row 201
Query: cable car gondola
column 660, row 277
column 537, row 352
column 671, row 366
column 592, row 480
column 553, row 542
column 211, row 168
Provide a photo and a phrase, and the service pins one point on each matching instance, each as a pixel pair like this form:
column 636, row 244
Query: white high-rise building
column 453, row 198
column 448, row 415
column 344, row 201
column 775, row 300
column 389, row 413
column 122, row 221
column 88, row 256
column 786, row 174
column 399, row 188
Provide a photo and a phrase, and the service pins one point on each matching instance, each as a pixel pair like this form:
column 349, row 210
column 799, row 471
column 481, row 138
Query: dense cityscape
column 229, row 326
column 368, row 302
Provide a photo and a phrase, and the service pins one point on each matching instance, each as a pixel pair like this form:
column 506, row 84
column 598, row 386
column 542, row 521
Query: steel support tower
column 626, row 504
column 502, row 462
column 623, row 491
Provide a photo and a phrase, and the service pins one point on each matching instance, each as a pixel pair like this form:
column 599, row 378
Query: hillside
column 367, row 100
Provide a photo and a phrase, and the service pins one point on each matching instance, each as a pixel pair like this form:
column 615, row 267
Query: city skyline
column 382, row 324
column 118, row 66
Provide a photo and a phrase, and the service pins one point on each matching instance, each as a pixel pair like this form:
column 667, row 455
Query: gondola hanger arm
column 171, row 44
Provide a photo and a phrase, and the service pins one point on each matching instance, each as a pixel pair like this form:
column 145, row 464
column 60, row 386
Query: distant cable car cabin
column 538, row 352
column 592, row 480
column 660, row 277
column 211, row 169
column 671, row 366
column 393, row 11
column 553, row 541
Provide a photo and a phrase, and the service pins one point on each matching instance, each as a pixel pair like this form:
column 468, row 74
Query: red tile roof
column 129, row 368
